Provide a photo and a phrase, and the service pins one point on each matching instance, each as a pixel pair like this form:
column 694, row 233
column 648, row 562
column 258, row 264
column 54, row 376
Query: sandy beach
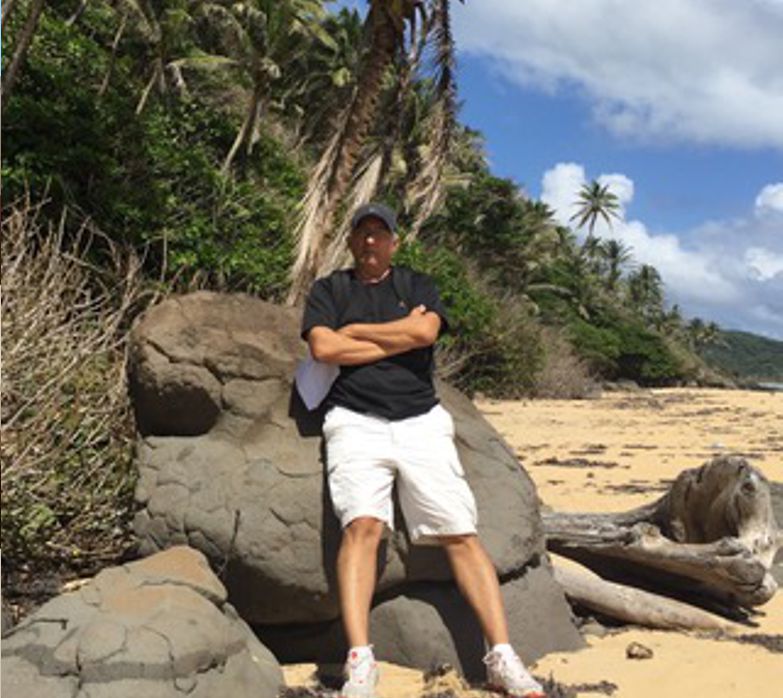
column 612, row 454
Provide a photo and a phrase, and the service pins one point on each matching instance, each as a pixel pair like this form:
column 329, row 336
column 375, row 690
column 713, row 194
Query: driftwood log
column 710, row 540
column 629, row 604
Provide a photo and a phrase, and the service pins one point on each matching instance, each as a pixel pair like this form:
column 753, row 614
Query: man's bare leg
column 356, row 570
column 477, row 580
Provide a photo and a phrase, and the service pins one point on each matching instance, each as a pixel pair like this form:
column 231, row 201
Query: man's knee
column 459, row 541
column 467, row 544
column 364, row 530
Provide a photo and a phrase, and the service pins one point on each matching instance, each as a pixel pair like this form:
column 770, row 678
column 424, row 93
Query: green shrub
column 151, row 180
column 493, row 345
column 619, row 347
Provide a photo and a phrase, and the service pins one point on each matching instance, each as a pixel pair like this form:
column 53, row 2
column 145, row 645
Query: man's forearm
column 332, row 347
column 397, row 336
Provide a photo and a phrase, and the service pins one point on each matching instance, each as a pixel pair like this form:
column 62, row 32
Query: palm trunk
column 246, row 131
column 20, row 51
column 384, row 41
column 8, row 6
column 147, row 89
column 113, row 59
column 78, row 13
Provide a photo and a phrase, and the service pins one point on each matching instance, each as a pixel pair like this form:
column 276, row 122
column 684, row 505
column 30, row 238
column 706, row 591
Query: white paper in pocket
column 314, row 380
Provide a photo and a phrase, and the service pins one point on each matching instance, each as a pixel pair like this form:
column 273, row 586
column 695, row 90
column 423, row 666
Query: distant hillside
column 747, row 355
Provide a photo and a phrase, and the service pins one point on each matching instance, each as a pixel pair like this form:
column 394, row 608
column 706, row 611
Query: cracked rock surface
column 158, row 628
column 230, row 462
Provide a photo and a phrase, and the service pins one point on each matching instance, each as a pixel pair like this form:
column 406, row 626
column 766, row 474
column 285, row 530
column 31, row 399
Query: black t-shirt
column 394, row 388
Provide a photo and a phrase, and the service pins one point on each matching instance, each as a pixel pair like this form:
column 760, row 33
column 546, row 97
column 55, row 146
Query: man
column 383, row 423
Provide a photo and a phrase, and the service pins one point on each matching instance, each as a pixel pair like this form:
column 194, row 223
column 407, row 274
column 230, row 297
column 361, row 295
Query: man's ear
column 395, row 242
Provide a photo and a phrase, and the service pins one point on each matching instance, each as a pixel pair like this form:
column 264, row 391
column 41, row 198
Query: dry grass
column 66, row 431
column 564, row 375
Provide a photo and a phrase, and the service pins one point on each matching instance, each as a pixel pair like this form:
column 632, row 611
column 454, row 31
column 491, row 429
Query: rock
column 431, row 624
column 245, row 485
column 7, row 617
column 636, row 650
column 158, row 627
column 776, row 492
column 594, row 628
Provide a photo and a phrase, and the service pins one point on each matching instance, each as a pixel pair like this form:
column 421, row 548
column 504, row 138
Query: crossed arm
column 363, row 343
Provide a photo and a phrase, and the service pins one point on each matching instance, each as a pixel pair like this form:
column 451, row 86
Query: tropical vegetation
column 159, row 146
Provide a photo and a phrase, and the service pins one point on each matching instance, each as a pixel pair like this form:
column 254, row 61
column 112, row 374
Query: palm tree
column 645, row 288
column 670, row 323
column 22, row 43
column 385, row 42
column 260, row 37
column 594, row 201
column 160, row 29
column 592, row 252
column 615, row 255
column 425, row 192
column 702, row 334
column 320, row 80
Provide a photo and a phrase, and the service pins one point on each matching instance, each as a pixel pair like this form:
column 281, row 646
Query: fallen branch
column 629, row 604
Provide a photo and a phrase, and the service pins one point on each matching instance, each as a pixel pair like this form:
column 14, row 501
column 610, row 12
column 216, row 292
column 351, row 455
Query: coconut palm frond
column 228, row 21
column 310, row 230
column 425, row 193
column 335, row 171
column 202, row 62
column 148, row 24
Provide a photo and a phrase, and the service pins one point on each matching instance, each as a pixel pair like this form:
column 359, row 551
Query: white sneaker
column 507, row 673
column 361, row 675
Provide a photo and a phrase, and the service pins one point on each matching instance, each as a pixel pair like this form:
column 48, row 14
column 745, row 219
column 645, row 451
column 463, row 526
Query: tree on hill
column 645, row 290
column 262, row 39
column 615, row 254
column 23, row 40
column 595, row 201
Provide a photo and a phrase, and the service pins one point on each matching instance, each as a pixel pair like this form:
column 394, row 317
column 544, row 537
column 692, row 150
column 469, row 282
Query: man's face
column 372, row 245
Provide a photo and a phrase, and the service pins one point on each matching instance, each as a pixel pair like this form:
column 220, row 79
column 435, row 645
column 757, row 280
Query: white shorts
column 365, row 454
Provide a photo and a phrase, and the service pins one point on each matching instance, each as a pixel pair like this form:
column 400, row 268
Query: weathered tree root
column 711, row 539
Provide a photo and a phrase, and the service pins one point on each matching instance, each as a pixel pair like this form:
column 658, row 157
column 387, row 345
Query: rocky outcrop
column 231, row 463
column 776, row 491
column 158, row 627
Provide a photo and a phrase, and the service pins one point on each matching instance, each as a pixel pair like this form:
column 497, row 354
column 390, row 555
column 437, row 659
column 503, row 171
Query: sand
column 612, row 454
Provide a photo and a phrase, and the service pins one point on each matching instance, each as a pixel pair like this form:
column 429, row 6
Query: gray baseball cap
column 378, row 211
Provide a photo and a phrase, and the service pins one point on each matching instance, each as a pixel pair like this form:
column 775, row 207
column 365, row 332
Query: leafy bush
column 152, row 180
column 493, row 345
column 619, row 347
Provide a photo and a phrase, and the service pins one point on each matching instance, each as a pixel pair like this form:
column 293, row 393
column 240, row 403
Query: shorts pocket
column 334, row 419
column 445, row 419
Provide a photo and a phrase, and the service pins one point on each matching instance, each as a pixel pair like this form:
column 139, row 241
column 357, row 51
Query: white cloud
column 764, row 263
column 560, row 188
column 770, row 198
column 727, row 271
column 707, row 71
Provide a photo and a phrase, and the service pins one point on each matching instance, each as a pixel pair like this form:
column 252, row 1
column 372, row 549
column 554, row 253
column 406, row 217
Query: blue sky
column 677, row 105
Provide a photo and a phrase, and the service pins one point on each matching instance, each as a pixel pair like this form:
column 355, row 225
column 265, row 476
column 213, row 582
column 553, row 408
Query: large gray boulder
column 430, row 624
column 776, row 492
column 231, row 463
column 158, row 628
